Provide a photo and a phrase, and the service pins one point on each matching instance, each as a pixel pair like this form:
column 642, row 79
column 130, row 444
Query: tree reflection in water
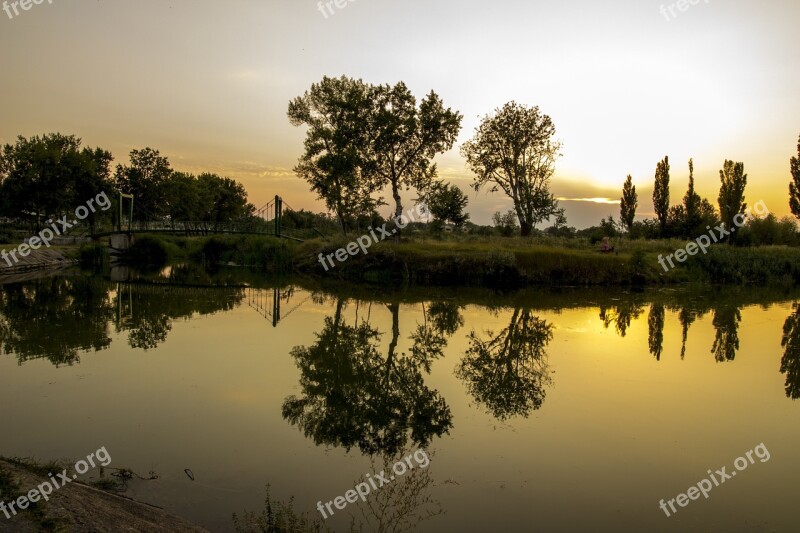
column 354, row 396
column 508, row 372
column 790, row 363
column 402, row 504
column 655, row 330
column 54, row 318
column 726, row 337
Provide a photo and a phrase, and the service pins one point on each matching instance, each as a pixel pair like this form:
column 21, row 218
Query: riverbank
column 39, row 259
column 489, row 262
column 77, row 507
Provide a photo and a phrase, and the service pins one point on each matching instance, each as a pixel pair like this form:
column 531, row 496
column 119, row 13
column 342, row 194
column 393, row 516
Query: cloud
column 591, row 200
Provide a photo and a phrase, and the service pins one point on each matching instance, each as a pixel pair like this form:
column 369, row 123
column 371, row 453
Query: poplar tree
column 661, row 194
column 692, row 201
column 731, row 192
column 628, row 203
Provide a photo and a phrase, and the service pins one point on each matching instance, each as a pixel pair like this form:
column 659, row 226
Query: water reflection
column 655, row 330
column 54, row 318
column 621, row 314
column 402, row 504
column 507, row 372
column 57, row 318
column 726, row 326
column 357, row 390
column 353, row 395
column 790, row 363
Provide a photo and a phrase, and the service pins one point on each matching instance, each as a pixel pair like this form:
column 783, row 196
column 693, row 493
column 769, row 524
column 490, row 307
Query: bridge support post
column 278, row 213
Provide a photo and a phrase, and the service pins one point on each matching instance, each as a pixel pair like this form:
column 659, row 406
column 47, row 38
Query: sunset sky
column 208, row 83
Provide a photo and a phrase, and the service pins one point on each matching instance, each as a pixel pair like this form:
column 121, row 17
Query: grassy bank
column 524, row 262
column 488, row 261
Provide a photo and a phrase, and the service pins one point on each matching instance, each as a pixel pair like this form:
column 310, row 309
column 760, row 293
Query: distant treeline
column 363, row 139
column 44, row 177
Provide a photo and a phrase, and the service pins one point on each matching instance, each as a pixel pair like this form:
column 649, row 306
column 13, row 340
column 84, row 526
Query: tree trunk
column 398, row 210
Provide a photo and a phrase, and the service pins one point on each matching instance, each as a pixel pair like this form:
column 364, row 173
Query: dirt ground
column 81, row 508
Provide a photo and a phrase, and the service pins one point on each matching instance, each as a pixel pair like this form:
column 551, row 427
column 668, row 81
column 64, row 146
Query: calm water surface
column 574, row 410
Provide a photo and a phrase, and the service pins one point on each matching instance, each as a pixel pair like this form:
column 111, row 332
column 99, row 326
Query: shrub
column 93, row 256
column 147, row 251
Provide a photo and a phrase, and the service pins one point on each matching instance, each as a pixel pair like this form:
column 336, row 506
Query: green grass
column 516, row 262
column 466, row 260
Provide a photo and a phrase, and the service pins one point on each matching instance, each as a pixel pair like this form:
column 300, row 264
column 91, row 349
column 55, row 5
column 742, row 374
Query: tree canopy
column 362, row 138
column 794, row 186
column 661, row 194
column 731, row 192
column 42, row 177
column 628, row 203
column 446, row 203
column 337, row 113
column 514, row 151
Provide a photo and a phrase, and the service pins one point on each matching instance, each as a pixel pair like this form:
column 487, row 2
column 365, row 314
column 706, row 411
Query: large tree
column 405, row 138
column 731, row 192
column 515, row 152
column 794, row 186
column 144, row 178
column 182, row 198
column 43, row 177
column 628, row 203
column 337, row 113
column 222, row 200
column 661, row 194
column 93, row 178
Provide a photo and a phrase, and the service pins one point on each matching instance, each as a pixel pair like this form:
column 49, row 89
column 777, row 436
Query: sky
column 208, row 84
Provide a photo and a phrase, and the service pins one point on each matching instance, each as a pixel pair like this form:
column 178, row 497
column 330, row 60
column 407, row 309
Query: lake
column 540, row 410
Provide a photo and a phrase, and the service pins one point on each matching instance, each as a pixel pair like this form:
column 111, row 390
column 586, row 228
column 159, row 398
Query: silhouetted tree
column 731, row 193
column 506, row 223
column 338, row 114
column 446, row 316
column 144, row 178
column 691, row 204
column 446, row 203
column 794, row 186
column 406, row 138
column 628, row 203
column 45, row 177
column 661, row 194
column 514, row 151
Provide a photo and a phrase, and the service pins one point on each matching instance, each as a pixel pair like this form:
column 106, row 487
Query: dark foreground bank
column 77, row 507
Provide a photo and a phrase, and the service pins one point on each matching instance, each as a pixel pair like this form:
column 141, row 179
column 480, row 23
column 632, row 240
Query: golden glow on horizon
column 209, row 87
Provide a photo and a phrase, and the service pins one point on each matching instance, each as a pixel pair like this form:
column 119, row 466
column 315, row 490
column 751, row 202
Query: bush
column 93, row 256
column 768, row 231
column 147, row 251
column 267, row 253
column 500, row 269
